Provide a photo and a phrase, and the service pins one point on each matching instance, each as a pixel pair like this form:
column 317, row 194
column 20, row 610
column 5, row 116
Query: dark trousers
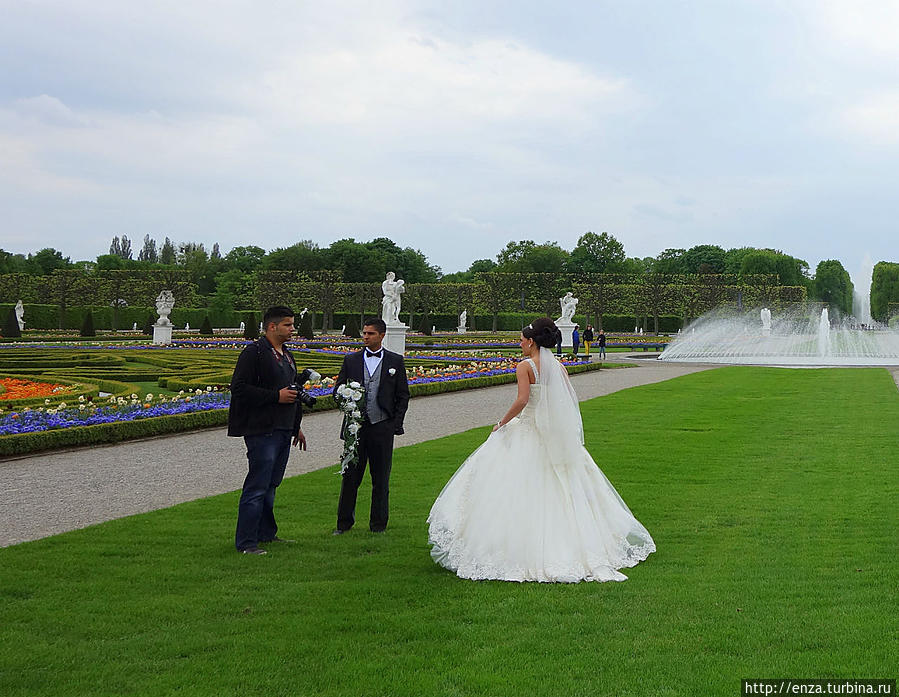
column 375, row 450
column 267, row 458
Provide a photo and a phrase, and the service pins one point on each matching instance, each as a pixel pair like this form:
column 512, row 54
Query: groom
column 383, row 373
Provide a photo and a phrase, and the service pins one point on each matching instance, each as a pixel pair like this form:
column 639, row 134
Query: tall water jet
column 861, row 293
column 824, row 333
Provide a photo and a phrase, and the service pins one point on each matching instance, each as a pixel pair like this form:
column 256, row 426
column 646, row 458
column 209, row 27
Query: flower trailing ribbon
column 350, row 399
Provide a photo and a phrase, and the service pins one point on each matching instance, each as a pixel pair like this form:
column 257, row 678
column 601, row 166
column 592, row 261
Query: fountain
column 784, row 340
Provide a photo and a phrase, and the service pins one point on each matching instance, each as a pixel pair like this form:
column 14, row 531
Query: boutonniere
column 392, row 371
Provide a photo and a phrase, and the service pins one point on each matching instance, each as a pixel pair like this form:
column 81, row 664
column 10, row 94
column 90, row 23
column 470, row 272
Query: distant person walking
column 575, row 340
column 601, row 340
column 588, row 337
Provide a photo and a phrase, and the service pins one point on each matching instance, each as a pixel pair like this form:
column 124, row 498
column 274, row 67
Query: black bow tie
column 371, row 354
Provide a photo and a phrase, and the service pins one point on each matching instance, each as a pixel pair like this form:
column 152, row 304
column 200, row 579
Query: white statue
column 164, row 304
column 392, row 290
column 303, row 313
column 20, row 314
column 766, row 321
column 187, row 326
column 134, row 327
column 243, row 327
column 463, row 318
column 261, row 329
column 569, row 303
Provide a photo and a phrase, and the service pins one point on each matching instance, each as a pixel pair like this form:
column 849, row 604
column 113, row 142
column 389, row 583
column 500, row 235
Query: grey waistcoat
column 373, row 412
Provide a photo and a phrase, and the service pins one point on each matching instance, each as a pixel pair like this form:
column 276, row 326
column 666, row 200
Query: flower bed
column 120, row 418
column 19, row 388
column 88, row 412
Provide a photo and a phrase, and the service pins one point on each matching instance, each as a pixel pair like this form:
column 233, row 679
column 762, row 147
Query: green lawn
column 771, row 494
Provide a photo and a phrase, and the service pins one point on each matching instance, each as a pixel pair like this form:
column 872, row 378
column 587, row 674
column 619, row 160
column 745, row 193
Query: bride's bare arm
column 522, row 373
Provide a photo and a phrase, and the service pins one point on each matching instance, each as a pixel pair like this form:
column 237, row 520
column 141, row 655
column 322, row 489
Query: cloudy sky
column 452, row 127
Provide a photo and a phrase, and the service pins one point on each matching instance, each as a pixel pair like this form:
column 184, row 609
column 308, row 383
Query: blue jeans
column 267, row 457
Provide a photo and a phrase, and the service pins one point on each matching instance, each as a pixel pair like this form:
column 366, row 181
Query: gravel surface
column 49, row 494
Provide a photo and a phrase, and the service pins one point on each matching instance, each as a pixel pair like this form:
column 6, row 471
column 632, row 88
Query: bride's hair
column 543, row 331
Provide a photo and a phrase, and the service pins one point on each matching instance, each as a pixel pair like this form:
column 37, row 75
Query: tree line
column 222, row 279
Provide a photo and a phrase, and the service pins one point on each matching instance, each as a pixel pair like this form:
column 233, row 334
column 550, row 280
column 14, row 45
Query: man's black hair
column 377, row 323
column 276, row 314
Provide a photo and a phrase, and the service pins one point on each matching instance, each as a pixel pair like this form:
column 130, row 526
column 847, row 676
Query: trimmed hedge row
column 514, row 321
column 77, row 436
column 47, row 317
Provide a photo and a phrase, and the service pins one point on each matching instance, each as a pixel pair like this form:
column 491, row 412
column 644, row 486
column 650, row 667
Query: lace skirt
column 510, row 514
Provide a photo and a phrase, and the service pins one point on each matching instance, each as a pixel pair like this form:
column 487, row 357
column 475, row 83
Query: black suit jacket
column 393, row 392
column 254, row 392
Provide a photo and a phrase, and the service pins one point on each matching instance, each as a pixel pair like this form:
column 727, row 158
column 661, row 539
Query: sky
column 452, row 128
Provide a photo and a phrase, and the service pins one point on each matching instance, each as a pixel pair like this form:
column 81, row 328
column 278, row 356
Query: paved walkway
column 44, row 495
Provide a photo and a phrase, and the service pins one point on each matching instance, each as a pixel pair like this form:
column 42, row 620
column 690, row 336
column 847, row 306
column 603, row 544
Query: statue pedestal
column 162, row 333
column 460, row 330
column 395, row 338
column 567, row 329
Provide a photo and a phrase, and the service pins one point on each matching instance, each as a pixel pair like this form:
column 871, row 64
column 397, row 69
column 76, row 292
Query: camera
column 302, row 397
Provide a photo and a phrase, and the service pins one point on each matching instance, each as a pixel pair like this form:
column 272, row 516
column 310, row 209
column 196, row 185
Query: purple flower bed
column 44, row 420
column 41, row 420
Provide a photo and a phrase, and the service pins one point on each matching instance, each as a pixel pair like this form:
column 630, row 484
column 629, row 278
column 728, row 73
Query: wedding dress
column 530, row 504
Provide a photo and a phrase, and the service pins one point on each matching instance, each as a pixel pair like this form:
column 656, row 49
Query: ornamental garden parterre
column 62, row 394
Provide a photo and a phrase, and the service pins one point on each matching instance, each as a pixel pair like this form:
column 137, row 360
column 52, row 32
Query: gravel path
column 48, row 494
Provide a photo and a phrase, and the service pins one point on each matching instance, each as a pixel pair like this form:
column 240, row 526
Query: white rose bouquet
column 350, row 400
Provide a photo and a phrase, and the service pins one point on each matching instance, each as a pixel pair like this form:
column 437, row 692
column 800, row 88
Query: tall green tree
column 704, row 258
column 670, row 261
column 12, row 263
column 148, row 251
column 884, row 289
column 833, row 286
column 167, row 255
column 526, row 256
column 596, row 254
column 356, row 262
column 244, row 259
column 46, row 261
column 305, row 256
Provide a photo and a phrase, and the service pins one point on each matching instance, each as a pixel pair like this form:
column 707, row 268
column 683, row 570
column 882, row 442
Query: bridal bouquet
column 350, row 399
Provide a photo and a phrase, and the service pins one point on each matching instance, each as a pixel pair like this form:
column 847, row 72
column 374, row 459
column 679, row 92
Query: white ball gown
column 530, row 504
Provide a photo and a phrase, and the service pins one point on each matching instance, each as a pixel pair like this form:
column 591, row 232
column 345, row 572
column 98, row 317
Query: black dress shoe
column 381, row 530
column 338, row 531
column 253, row 550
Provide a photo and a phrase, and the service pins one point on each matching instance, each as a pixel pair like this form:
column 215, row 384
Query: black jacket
column 254, row 392
column 393, row 392
column 588, row 335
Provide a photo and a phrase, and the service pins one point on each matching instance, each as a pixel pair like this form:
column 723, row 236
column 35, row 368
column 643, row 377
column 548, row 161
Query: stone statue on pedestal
column 20, row 314
column 392, row 290
column 569, row 303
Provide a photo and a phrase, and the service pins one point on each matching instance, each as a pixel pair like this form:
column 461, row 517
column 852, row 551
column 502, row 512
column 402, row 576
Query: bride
column 530, row 504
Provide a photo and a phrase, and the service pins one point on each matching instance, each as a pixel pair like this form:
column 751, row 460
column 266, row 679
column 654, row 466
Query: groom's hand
column 398, row 431
column 299, row 439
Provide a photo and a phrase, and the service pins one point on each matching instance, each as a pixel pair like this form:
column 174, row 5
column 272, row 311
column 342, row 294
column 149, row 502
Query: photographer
column 266, row 409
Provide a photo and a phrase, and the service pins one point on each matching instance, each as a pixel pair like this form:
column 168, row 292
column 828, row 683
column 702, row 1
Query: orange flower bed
column 17, row 388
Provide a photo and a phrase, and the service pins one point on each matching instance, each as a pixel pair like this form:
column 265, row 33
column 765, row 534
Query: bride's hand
column 497, row 426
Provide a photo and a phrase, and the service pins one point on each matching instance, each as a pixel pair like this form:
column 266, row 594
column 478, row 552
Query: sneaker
column 253, row 550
